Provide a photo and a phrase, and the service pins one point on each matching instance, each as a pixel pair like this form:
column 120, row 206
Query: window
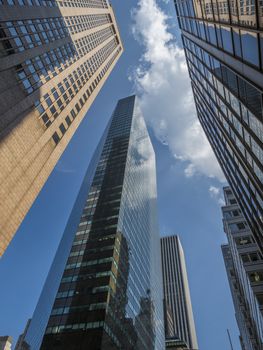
column 62, row 128
column 256, row 276
column 56, row 138
column 260, row 299
column 68, row 121
column 250, row 47
column 243, row 240
column 227, row 39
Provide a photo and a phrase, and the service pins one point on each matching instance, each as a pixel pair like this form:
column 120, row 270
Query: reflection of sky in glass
column 41, row 314
column 226, row 39
column 249, row 47
column 138, row 222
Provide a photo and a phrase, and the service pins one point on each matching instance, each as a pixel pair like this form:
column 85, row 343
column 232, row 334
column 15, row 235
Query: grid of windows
column 244, row 265
column 102, row 280
column 54, row 102
column 78, row 24
column 44, row 3
column 17, row 36
column 79, row 105
column 53, row 3
column 40, row 69
column 232, row 164
column 84, row 3
column 202, row 19
column 228, row 110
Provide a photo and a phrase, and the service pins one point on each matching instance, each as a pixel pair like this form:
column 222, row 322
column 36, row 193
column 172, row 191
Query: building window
column 56, row 138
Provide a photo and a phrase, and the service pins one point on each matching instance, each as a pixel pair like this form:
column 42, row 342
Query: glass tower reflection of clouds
column 110, row 293
column 223, row 43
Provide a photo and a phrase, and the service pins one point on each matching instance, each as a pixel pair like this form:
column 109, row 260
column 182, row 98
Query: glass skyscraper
column 223, row 42
column 104, row 290
column 55, row 57
column 244, row 266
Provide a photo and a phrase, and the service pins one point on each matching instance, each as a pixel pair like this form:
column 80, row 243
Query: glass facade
column 110, row 293
column 244, row 266
column 223, row 47
column 37, row 326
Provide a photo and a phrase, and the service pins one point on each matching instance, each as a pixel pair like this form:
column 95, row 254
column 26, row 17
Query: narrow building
column 179, row 319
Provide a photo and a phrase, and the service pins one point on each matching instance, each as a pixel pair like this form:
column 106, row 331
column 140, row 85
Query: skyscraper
column 5, row 343
column 54, row 58
column 177, row 294
column 104, row 289
column 223, row 42
column 244, row 266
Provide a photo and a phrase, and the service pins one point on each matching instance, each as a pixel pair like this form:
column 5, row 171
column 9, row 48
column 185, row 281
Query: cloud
column 163, row 85
column 215, row 193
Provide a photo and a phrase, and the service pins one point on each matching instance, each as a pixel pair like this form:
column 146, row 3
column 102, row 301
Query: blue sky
column 189, row 180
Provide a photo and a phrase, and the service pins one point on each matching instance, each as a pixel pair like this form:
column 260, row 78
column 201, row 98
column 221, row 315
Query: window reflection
column 260, row 13
column 246, row 12
column 211, row 33
column 237, row 43
column 249, row 47
column 227, row 39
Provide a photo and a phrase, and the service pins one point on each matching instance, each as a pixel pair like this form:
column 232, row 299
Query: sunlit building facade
column 223, row 42
column 54, row 58
column 244, row 266
column 179, row 320
column 104, row 290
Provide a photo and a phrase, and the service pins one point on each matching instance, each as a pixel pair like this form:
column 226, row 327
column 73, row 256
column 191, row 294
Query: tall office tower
column 244, row 266
column 177, row 295
column 54, row 58
column 104, row 290
column 223, row 42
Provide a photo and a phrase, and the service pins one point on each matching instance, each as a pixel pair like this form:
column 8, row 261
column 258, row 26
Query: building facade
column 106, row 281
column 244, row 266
column 5, row 343
column 177, row 295
column 223, row 42
column 54, row 58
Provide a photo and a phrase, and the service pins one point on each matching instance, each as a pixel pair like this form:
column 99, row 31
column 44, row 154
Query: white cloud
column 215, row 193
column 162, row 82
